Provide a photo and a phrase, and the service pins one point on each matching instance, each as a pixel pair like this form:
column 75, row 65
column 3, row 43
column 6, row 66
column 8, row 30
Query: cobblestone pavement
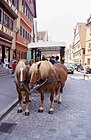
column 8, row 94
column 71, row 119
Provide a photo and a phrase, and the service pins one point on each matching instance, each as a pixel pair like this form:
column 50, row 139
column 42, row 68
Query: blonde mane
column 20, row 65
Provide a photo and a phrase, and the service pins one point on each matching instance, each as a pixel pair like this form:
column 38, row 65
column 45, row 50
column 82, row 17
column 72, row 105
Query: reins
column 45, row 82
column 38, row 85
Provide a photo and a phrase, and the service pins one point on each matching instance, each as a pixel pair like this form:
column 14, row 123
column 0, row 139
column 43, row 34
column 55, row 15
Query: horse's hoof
column 51, row 112
column 40, row 111
column 19, row 111
column 55, row 101
column 29, row 101
column 59, row 102
column 26, row 113
column 24, row 102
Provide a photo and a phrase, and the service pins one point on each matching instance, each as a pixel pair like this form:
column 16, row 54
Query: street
column 71, row 119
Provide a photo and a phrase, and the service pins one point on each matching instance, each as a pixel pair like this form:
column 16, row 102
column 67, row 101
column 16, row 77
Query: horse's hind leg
column 58, row 98
column 51, row 110
column 41, row 104
column 27, row 100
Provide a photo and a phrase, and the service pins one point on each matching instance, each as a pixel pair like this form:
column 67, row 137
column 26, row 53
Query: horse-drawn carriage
column 42, row 76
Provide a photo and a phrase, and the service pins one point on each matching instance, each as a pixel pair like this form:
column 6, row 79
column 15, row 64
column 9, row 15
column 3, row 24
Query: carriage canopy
column 46, row 48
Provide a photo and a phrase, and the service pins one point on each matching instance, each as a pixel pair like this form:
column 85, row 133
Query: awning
column 47, row 46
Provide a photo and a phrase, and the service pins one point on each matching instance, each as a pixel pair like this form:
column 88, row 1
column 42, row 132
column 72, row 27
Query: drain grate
column 7, row 127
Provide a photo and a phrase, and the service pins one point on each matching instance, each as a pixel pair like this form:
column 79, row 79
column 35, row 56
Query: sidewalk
column 80, row 75
column 8, row 94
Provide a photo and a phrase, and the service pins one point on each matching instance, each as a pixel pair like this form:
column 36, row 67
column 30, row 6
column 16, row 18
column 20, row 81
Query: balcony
column 10, row 7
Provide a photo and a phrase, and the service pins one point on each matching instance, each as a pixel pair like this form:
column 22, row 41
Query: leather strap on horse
column 45, row 82
column 24, row 86
column 25, row 83
column 39, row 85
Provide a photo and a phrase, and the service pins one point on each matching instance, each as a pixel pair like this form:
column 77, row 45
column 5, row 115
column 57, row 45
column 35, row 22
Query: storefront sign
column 6, row 31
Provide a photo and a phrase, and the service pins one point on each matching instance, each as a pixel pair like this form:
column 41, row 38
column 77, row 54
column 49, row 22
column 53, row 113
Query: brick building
column 16, row 25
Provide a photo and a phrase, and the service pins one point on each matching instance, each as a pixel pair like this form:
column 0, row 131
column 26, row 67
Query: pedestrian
column 52, row 60
column 57, row 59
column 85, row 71
column 43, row 58
column 14, row 66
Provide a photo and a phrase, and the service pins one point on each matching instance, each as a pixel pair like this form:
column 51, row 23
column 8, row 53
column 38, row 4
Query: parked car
column 80, row 69
column 69, row 68
column 88, row 71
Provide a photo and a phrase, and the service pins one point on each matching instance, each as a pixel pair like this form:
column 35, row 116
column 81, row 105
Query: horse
column 21, row 81
column 63, row 73
column 44, row 76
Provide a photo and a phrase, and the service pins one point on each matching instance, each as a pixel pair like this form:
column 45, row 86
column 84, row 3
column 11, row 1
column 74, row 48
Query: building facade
column 27, row 12
column 88, row 43
column 69, row 54
column 8, row 17
column 16, row 25
column 79, row 43
column 42, row 36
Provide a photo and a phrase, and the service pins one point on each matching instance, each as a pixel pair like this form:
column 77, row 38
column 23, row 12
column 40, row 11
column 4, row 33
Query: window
column 15, row 3
column 27, row 13
column 5, row 19
column 23, row 55
column 21, row 30
column 23, row 33
column 89, row 46
column 8, row 22
column 88, row 61
column 1, row 16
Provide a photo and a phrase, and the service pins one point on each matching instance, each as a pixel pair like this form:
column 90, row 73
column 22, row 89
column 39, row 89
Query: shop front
column 5, row 48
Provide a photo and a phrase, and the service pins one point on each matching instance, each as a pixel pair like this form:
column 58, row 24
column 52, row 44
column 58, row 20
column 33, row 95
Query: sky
column 59, row 17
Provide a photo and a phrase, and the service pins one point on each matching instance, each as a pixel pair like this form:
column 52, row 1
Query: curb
column 8, row 109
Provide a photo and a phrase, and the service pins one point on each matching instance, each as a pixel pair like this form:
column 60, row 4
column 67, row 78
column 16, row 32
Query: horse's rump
column 62, row 72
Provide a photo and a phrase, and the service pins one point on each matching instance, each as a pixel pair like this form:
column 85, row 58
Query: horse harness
column 24, row 82
column 47, row 81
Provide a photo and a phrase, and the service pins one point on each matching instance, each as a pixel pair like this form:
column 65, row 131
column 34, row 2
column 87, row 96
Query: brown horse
column 21, row 81
column 47, row 77
column 62, row 72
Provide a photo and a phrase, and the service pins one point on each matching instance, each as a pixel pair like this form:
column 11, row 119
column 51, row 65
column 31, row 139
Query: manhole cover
column 7, row 127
